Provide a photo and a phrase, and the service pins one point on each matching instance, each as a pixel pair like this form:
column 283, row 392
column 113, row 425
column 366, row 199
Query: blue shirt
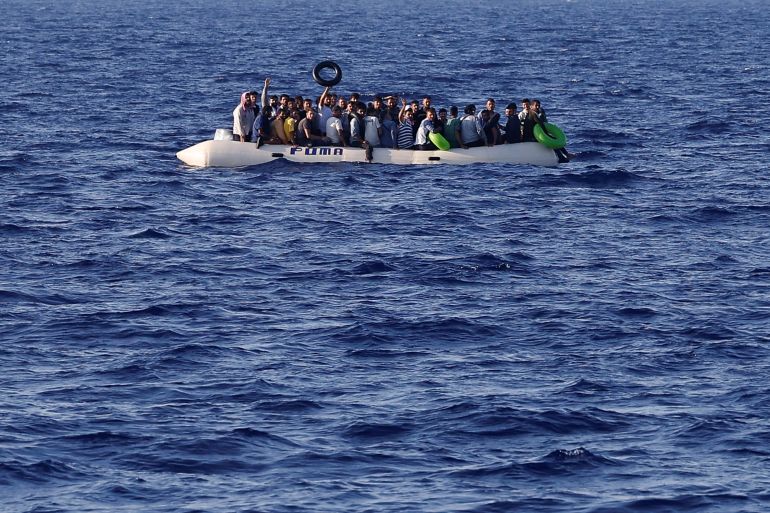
column 262, row 122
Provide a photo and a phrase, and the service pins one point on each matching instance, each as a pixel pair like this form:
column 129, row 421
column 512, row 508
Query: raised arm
column 264, row 92
column 403, row 109
column 322, row 99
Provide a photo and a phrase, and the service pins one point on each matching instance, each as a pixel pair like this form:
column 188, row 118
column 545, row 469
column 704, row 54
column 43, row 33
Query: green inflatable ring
column 439, row 140
column 554, row 138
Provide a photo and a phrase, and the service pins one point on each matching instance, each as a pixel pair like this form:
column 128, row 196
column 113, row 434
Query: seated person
column 471, row 132
column 304, row 133
column 422, row 140
column 512, row 125
column 406, row 130
column 334, row 130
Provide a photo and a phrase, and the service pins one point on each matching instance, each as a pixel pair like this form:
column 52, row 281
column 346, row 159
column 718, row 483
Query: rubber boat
column 222, row 151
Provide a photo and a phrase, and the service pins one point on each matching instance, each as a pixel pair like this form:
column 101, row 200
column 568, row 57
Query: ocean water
column 352, row 338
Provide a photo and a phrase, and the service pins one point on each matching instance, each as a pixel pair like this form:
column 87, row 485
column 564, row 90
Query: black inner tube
column 327, row 65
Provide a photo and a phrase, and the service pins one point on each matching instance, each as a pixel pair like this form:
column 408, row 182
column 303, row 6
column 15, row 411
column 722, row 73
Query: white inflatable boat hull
column 224, row 153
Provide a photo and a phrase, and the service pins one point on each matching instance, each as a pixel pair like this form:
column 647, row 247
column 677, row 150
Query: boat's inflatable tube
column 439, row 140
column 327, row 65
column 552, row 137
column 228, row 153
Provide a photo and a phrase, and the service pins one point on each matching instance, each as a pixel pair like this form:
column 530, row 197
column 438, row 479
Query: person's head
column 284, row 99
column 354, row 97
column 309, row 114
column 453, row 111
column 377, row 102
column 430, row 114
column 535, row 104
column 525, row 104
column 253, row 97
column 426, row 100
column 361, row 108
column 245, row 100
column 283, row 113
column 510, row 109
column 336, row 111
column 342, row 103
column 327, row 101
column 485, row 114
column 273, row 100
column 298, row 100
column 291, row 104
column 307, row 104
column 267, row 111
column 470, row 109
column 490, row 104
column 372, row 111
column 414, row 104
column 442, row 114
column 390, row 101
column 409, row 114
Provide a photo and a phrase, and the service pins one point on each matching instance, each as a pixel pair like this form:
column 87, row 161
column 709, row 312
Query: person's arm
column 264, row 92
column 458, row 135
column 322, row 99
column 481, row 132
column 401, row 112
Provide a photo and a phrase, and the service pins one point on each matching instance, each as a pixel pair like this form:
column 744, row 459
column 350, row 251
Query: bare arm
column 322, row 99
column 264, row 92
column 401, row 112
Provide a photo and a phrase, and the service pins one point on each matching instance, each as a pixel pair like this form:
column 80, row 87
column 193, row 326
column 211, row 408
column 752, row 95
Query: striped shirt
column 405, row 135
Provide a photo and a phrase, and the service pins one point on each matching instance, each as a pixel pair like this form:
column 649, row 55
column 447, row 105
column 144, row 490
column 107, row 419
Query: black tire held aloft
column 330, row 65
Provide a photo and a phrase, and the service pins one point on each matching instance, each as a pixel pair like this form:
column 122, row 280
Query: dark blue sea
column 590, row 338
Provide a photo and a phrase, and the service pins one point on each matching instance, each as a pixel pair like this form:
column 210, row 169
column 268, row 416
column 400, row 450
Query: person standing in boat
column 471, row 131
column 243, row 119
column 422, row 140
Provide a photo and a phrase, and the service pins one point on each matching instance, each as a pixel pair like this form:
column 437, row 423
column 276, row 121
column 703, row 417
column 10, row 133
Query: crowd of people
column 336, row 121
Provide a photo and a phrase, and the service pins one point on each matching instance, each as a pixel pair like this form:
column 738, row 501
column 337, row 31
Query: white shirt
column 372, row 130
column 242, row 121
column 333, row 129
